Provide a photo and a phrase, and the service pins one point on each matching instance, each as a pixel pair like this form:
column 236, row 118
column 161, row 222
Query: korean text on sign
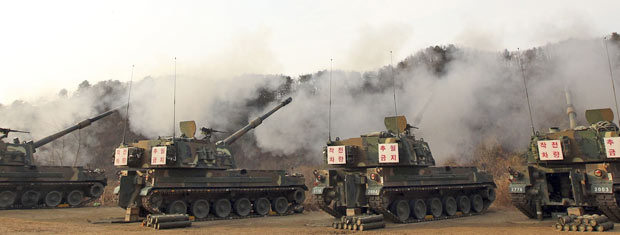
column 550, row 150
column 336, row 155
column 388, row 153
column 158, row 156
column 612, row 147
column 120, row 156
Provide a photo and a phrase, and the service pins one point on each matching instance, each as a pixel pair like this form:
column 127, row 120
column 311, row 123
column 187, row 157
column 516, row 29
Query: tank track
column 520, row 201
column 608, row 204
column 16, row 205
column 175, row 192
column 320, row 201
column 378, row 203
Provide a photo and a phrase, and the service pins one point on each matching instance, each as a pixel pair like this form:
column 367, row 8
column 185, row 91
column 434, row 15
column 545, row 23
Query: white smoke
column 477, row 98
column 49, row 115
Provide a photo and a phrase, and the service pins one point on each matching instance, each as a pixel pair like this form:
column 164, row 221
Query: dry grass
column 108, row 198
column 307, row 172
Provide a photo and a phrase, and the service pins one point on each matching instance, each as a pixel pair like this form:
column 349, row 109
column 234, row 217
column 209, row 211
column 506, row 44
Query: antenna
column 393, row 83
column 611, row 76
column 329, row 121
column 174, row 101
column 127, row 111
column 527, row 96
column 394, row 93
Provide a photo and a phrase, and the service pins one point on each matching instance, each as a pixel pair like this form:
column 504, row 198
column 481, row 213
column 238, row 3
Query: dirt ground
column 76, row 220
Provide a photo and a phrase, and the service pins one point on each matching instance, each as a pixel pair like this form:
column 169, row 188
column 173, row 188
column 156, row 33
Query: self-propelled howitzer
column 197, row 176
column 575, row 167
column 393, row 173
column 25, row 185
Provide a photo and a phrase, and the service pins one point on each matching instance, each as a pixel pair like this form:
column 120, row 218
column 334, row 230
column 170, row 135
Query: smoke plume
column 460, row 98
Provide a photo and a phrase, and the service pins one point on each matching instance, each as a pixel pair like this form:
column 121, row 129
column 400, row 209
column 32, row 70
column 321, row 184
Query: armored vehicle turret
column 574, row 167
column 393, row 173
column 199, row 177
column 26, row 185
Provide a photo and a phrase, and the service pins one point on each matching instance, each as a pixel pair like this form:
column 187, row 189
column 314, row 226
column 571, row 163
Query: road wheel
column 30, row 198
column 243, row 206
column 299, row 196
column 53, row 198
column 418, row 207
column 261, row 206
column 477, row 204
column 96, row 190
column 464, row 204
column 491, row 194
column 280, row 205
column 200, row 209
column 177, row 207
column 156, row 201
column 74, row 198
column 449, row 205
column 222, row 208
column 435, row 207
column 7, row 198
column 401, row 209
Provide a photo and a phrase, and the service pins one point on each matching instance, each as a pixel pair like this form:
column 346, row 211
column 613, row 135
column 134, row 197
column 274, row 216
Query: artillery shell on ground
column 605, row 226
column 369, row 219
column 175, row 224
column 566, row 227
column 370, row 226
column 589, row 228
column 574, row 227
column 170, row 218
column 567, row 219
column 598, row 220
column 581, row 228
column 579, row 220
column 558, row 226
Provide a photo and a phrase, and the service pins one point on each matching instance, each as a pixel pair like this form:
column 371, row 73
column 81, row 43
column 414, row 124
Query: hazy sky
column 49, row 45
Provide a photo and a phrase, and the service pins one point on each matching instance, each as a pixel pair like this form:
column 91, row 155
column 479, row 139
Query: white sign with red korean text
column 388, row 153
column 120, row 157
column 336, row 155
column 550, row 150
column 612, row 147
column 158, row 156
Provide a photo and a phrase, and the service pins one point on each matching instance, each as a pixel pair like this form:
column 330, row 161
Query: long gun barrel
column 570, row 110
column 7, row 130
column 80, row 125
column 253, row 124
